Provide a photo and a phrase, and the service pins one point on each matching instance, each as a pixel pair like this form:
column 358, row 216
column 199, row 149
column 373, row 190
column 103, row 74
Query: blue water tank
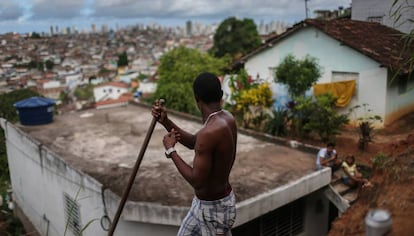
column 35, row 110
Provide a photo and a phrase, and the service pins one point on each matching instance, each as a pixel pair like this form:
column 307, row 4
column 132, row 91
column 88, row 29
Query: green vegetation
column 318, row 116
column 276, row 123
column 178, row 69
column 365, row 124
column 7, row 111
column 49, row 64
column 85, row 92
column 298, row 75
column 122, row 59
column 235, row 38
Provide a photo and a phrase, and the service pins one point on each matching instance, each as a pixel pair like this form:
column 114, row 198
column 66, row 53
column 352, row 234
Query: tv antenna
column 306, row 9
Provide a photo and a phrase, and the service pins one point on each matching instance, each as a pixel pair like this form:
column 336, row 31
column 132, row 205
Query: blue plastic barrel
column 35, row 110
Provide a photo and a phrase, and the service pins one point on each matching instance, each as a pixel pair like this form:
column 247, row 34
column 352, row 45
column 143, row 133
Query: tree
column 122, row 59
column 8, row 112
column 178, row 70
column 399, row 11
column 298, row 75
column 49, row 64
column 35, row 35
column 235, row 37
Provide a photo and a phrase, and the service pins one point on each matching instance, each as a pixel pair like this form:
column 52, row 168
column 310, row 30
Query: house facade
column 368, row 53
column 110, row 90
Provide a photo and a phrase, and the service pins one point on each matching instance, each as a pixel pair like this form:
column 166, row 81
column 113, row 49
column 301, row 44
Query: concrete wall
column 316, row 214
column 363, row 9
column 108, row 92
column 40, row 179
column 332, row 56
column 399, row 103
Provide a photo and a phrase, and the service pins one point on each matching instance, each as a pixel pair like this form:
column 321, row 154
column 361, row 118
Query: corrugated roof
column 381, row 43
column 34, row 102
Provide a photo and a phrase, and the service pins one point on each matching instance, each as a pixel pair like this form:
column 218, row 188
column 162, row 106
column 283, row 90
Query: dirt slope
column 392, row 176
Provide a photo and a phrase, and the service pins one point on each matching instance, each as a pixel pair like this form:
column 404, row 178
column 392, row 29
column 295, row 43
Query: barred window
column 72, row 215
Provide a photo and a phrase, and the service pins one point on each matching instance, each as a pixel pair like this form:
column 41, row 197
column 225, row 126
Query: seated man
column 327, row 157
column 352, row 177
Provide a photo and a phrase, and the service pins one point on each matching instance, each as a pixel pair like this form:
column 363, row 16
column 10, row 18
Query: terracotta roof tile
column 381, row 43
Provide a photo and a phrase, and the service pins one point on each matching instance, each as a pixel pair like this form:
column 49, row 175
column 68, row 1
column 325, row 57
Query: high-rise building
column 51, row 30
column 189, row 28
column 93, row 27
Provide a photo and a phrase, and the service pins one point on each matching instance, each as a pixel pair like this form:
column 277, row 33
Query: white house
column 369, row 53
column 147, row 86
column 110, row 90
column 382, row 11
column 128, row 75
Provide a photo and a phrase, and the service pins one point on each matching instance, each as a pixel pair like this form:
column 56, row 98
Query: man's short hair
column 330, row 144
column 207, row 88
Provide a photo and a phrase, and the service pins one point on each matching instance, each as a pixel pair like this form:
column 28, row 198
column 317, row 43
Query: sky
column 38, row 15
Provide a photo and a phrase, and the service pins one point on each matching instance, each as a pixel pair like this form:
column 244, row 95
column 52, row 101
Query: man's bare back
column 213, row 210
column 216, row 143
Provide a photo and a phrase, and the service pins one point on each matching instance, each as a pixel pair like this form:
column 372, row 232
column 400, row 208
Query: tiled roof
column 381, row 43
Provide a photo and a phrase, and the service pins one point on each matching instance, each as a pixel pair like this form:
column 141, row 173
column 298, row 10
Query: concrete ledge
column 146, row 212
column 254, row 207
column 262, row 136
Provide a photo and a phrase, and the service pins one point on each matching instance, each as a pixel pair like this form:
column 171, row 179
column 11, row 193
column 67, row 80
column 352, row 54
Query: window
column 104, row 90
column 110, row 90
column 338, row 76
column 72, row 215
column 287, row 220
column 119, row 90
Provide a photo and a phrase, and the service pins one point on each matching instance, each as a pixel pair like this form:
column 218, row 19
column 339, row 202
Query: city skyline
column 25, row 16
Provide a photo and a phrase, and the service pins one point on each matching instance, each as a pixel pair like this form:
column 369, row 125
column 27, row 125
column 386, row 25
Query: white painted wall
column 147, row 87
column 108, row 92
column 332, row 56
column 40, row 178
column 363, row 9
column 399, row 104
column 72, row 80
column 51, row 84
column 316, row 214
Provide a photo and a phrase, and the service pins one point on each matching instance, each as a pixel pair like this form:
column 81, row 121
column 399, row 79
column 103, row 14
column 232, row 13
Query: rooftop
column 379, row 42
column 105, row 144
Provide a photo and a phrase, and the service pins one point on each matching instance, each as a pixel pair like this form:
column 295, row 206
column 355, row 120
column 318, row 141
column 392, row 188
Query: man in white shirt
column 327, row 157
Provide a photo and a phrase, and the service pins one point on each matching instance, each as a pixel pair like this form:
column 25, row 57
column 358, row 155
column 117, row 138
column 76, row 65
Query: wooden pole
column 133, row 175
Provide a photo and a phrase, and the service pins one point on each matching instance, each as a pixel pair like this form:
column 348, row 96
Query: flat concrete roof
column 105, row 144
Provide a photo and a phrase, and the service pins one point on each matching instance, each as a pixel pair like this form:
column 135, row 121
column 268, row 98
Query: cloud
column 10, row 10
column 57, row 9
column 181, row 9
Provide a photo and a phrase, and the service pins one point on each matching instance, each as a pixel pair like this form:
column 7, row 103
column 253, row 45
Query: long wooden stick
column 133, row 175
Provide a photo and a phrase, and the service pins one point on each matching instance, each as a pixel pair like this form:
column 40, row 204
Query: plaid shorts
column 209, row 218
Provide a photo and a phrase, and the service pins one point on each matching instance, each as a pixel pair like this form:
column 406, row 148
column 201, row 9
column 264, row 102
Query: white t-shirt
column 323, row 153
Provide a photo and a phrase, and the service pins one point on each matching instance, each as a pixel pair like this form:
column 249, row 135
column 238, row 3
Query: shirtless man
column 213, row 210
